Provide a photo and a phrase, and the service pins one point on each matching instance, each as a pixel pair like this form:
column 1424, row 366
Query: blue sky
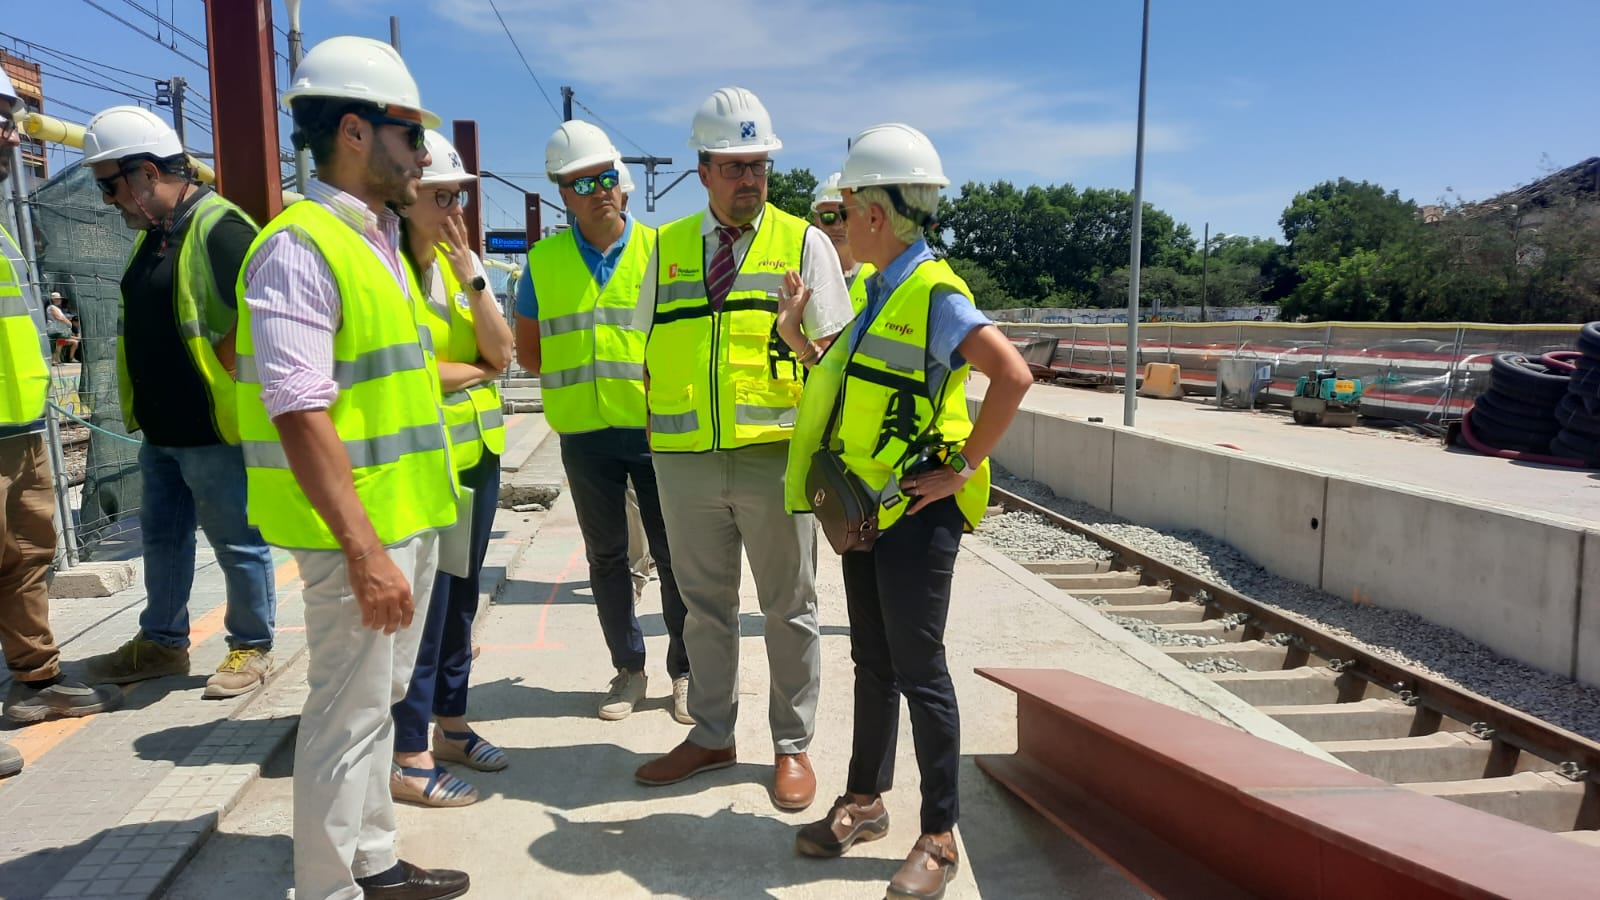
column 1249, row 101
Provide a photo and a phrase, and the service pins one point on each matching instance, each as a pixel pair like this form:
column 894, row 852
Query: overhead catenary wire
column 132, row 27
column 171, row 25
column 525, row 65
column 612, row 129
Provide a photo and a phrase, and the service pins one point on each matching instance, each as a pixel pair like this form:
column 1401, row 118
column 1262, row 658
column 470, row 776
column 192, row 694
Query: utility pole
column 170, row 93
column 301, row 158
column 394, row 33
column 650, row 163
column 1131, row 384
column 566, row 103
column 1205, row 261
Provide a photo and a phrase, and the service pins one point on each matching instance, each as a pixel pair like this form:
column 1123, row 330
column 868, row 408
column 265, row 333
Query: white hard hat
column 576, row 145
column 7, row 89
column 124, row 131
column 732, row 120
column 358, row 68
column 827, row 192
column 445, row 166
column 624, row 178
column 891, row 154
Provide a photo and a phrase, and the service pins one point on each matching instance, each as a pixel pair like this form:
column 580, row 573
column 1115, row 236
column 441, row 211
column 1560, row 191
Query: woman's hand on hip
column 935, row 484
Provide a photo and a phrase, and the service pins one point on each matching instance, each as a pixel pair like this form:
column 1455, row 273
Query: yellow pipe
column 57, row 131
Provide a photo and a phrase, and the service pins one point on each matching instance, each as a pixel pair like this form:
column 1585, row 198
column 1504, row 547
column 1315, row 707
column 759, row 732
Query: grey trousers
column 344, row 824
column 713, row 504
column 639, row 562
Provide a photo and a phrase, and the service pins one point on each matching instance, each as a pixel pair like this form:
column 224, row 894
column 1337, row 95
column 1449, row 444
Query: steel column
column 244, row 105
column 464, row 135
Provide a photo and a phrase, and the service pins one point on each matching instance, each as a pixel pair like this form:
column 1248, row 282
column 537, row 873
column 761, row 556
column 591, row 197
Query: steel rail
column 1510, row 729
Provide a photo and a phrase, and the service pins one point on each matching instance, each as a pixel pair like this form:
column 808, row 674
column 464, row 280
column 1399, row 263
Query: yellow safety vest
column 203, row 319
column 591, row 359
column 722, row 380
column 474, row 416
column 24, row 375
column 858, row 286
column 387, row 413
column 886, row 411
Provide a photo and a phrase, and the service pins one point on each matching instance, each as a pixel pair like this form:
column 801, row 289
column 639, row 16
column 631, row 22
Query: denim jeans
column 183, row 486
column 599, row 465
column 444, row 651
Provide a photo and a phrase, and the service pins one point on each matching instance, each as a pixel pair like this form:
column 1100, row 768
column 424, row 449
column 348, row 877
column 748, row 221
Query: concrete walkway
column 128, row 804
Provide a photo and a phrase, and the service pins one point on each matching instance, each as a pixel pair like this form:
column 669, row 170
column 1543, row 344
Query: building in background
column 30, row 87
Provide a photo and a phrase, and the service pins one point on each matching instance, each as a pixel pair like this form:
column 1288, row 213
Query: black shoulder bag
column 847, row 511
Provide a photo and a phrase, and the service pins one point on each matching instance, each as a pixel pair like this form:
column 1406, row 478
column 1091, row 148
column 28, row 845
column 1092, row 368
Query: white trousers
column 344, row 825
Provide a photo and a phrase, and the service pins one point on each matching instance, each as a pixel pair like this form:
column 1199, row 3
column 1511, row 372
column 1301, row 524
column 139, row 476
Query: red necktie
column 719, row 275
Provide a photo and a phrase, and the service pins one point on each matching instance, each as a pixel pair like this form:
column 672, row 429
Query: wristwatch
column 956, row 462
column 479, row 283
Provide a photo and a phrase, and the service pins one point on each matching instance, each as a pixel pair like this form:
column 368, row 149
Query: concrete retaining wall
column 1526, row 587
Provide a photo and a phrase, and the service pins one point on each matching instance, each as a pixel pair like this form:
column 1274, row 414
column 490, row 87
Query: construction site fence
column 1422, row 373
column 1112, row 315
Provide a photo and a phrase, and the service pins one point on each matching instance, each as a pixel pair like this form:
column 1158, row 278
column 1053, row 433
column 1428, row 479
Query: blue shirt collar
column 882, row 284
column 587, row 248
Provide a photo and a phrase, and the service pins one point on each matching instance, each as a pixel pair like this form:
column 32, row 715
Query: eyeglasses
column 447, row 199
column 732, row 169
column 586, row 185
column 108, row 184
column 831, row 217
column 414, row 135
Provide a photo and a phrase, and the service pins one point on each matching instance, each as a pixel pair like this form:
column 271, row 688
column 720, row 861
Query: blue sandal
column 442, row 789
column 469, row 749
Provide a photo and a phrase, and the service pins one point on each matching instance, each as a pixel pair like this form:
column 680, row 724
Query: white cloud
column 826, row 69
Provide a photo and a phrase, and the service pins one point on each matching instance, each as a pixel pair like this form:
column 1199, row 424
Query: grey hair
column 919, row 198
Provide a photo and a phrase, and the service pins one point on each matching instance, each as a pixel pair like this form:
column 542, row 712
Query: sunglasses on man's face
column 414, row 135
column 831, row 217
column 586, row 185
column 108, row 184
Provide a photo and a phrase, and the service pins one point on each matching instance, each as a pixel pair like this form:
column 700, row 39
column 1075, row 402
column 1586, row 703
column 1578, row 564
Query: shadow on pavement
column 727, row 854
column 601, row 774
column 539, row 593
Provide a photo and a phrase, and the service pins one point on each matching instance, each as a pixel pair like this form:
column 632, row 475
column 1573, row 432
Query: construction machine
column 1321, row 397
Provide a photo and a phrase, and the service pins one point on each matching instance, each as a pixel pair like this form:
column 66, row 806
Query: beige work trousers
column 344, row 825
column 27, row 546
column 714, row 504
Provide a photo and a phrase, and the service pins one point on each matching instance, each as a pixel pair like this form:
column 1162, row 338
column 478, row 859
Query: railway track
column 1382, row 718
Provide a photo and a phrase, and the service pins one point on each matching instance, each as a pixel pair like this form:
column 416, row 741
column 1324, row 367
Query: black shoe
column 420, row 884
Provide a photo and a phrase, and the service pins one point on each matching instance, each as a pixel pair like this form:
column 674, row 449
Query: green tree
column 792, row 191
column 986, row 292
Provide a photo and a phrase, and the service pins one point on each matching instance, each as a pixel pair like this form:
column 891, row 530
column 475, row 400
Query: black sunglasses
column 108, row 184
column 447, row 199
column 760, row 168
column 831, row 217
column 414, row 135
column 585, row 186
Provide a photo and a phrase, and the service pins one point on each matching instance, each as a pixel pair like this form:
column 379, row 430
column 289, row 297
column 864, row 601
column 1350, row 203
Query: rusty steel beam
column 1190, row 808
column 532, row 214
column 244, row 99
column 464, row 135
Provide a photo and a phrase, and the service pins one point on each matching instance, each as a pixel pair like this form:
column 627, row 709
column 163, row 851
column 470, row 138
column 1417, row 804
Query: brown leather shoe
column 685, row 761
column 915, row 880
column 845, row 824
column 794, row 785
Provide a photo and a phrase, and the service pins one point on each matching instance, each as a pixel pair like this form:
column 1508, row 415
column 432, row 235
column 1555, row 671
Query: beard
column 746, row 205
column 392, row 179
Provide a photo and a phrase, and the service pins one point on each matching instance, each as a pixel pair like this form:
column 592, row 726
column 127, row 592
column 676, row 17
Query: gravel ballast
column 1392, row 634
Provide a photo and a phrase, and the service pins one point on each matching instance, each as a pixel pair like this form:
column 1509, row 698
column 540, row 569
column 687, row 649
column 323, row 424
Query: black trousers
column 899, row 597
column 599, row 465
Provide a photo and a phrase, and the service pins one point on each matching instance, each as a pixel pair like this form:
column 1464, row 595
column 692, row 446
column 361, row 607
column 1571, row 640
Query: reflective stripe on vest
column 203, row 319
column 720, row 380
column 387, row 414
column 472, row 416
column 24, row 375
column 591, row 360
column 886, row 410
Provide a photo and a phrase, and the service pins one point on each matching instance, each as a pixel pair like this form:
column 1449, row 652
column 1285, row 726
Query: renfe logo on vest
column 674, row 271
column 900, row 329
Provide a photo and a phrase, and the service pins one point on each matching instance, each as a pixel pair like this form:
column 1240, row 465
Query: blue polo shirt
column 601, row 266
column 951, row 316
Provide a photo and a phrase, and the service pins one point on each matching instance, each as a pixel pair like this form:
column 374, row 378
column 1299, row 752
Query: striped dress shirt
column 295, row 305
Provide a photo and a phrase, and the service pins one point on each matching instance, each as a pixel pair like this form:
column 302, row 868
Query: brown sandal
column 915, row 881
